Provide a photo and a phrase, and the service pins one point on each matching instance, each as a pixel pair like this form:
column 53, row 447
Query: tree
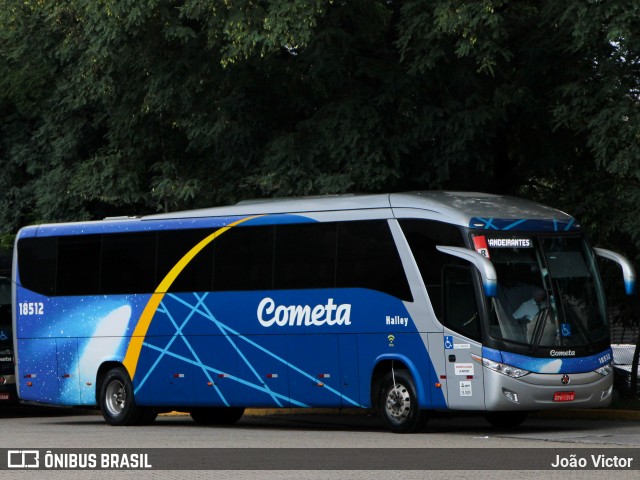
column 114, row 107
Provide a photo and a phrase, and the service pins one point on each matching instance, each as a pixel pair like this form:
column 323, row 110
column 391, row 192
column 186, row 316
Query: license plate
column 564, row 396
column 4, row 396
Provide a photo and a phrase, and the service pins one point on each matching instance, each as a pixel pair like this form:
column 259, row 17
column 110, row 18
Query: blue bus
column 407, row 303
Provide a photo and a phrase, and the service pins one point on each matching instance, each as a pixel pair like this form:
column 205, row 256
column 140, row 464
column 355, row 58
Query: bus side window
column 368, row 258
column 305, row 256
column 244, row 259
column 78, row 267
column 37, row 268
column 197, row 275
column 128, row 263
column 423, row 236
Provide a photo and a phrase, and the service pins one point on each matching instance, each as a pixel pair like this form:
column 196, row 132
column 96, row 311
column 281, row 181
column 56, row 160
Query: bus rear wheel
column 216, row 415
column 117, row 401
column 398, row 403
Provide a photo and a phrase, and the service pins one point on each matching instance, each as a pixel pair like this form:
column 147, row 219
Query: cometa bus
column 407, row 303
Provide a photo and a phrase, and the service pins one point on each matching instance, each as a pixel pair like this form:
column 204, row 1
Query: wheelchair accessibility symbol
column 3, row 335
column 448, row 342
column 566, row 330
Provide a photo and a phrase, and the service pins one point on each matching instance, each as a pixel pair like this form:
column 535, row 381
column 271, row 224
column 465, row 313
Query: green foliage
column 6, row 242
column 128, row 107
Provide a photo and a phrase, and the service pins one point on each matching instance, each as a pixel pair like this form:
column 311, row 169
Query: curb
column 592, row 414
column 264, row 412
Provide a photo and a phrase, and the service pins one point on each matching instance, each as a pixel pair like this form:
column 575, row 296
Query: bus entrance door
column 465, row 386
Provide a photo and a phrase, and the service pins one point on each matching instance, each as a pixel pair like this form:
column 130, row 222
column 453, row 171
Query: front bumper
column 537, row 391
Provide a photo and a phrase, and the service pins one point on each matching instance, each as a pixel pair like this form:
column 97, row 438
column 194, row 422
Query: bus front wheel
column 117, row 402
column 398, row 403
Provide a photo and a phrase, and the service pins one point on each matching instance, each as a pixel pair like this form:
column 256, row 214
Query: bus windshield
column 549, row 292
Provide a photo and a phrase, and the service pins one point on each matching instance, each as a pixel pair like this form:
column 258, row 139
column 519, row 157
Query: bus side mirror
column 483, row 264
column 628, row 272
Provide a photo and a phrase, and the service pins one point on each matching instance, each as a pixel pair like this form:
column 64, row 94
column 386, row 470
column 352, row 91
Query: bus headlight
column 503, row 368
column 604, row 370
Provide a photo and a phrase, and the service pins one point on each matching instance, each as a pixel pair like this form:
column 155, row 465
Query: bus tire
column 398, row 403
column 216, row 415
column 506, row 420
column 117, row 401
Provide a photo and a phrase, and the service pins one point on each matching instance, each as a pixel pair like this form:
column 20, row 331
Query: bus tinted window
column 37, row 269
column 305, row 256
column 300, row 256
column 197, row 275
column 244, row 259
column 423, row 236
column 78, row 271
column 128, row 263
column 367, row 258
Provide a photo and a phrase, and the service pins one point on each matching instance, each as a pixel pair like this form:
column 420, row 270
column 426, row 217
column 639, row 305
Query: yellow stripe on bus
column 135, row 344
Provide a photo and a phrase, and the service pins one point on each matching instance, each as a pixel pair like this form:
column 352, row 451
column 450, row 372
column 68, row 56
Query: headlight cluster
column 605, row 370
column 503, row 368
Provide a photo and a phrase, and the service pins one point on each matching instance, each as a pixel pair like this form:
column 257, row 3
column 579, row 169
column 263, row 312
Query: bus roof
column 457, row 207
column 473, row 209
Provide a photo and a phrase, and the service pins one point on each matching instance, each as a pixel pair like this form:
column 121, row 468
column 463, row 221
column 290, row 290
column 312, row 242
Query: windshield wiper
column 542, row 316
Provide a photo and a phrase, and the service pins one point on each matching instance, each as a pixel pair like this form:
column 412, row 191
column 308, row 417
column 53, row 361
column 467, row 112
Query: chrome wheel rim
column 115, row 398
column 398, row 402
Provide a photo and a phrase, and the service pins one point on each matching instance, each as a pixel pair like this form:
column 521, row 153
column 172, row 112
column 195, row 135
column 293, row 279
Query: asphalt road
column 367, row 450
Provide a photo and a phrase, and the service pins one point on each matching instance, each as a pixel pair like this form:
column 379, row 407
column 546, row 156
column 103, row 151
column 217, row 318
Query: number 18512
column 31, row 308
